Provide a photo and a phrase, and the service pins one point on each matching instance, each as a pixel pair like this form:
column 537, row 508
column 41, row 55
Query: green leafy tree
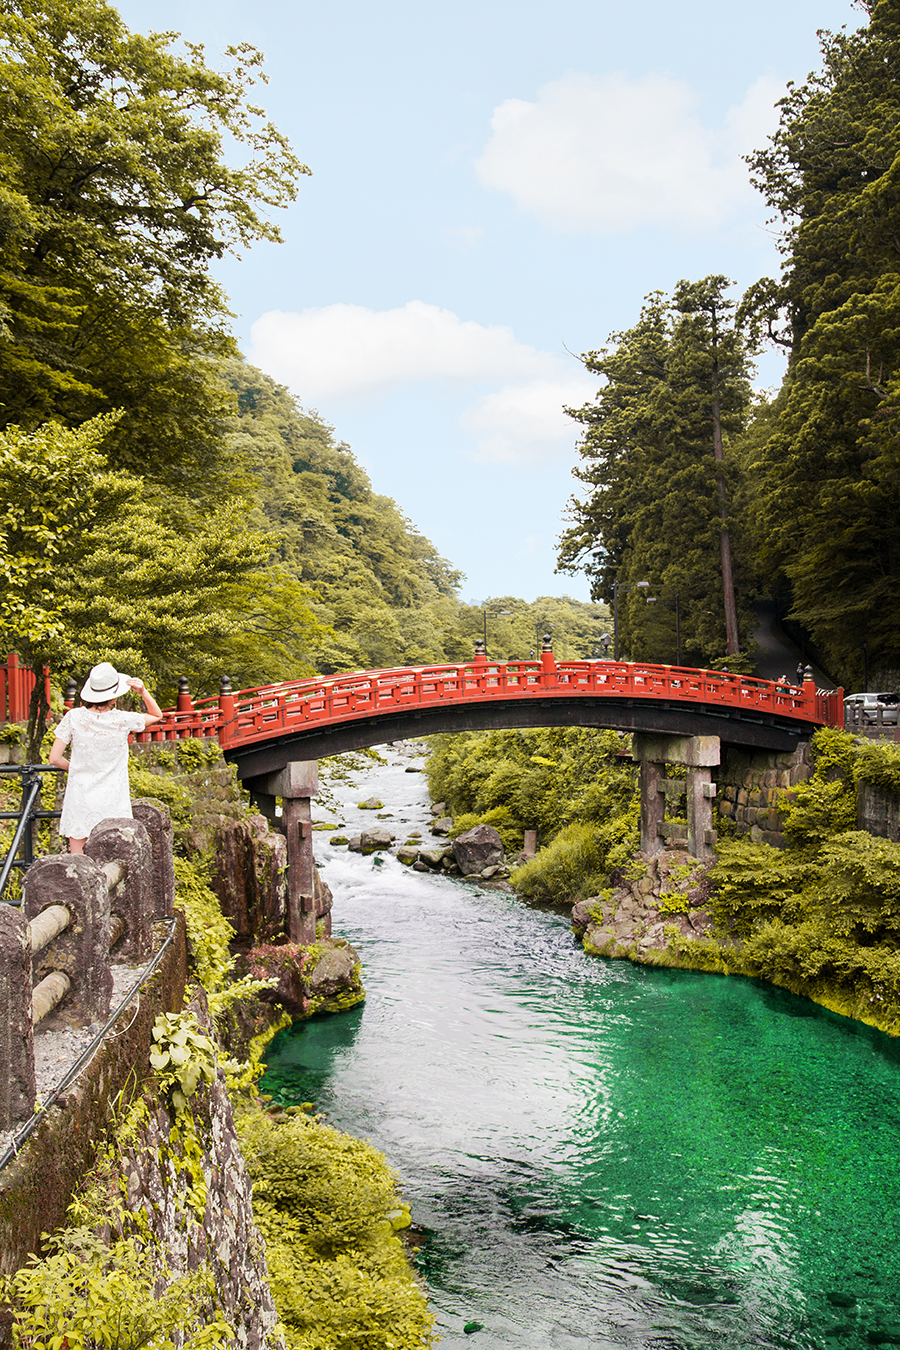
column 119, row 185
column 827, row 490
column 658, row 469
column 93, row 569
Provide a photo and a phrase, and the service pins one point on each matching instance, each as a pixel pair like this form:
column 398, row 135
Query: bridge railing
column 249, row 716
column 16, row 684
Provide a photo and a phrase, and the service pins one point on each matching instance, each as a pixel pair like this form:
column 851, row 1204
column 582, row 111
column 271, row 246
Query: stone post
column 653, row 806
column 125, row 840
column 158, row 824
column 17, row 1087
column 80, row 951
column 296, row 785
column 698, row 754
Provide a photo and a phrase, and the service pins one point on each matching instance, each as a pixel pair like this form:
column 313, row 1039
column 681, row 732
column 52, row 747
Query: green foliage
column 653, row 489
column 181, row 1057
column 90, row 1295
column 325, row 1204
column 160, row 788
column 209, row 932
column 571, row 867
column 128, row 168
column 827, row 486
column 823, row 915
column 545, row 778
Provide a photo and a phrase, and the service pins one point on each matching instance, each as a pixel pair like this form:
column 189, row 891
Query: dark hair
column 107, row 703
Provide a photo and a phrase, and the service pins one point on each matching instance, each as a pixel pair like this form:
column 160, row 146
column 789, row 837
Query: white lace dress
column 97, row 781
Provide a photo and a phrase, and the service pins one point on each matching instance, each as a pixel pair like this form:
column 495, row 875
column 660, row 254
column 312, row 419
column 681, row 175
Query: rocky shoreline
column 653, row 901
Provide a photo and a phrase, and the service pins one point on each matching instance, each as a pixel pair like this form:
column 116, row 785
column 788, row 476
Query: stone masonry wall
column 749, row 785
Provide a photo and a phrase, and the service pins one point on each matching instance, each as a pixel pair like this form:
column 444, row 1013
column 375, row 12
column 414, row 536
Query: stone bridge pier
column 699, row 754
column 296, row 784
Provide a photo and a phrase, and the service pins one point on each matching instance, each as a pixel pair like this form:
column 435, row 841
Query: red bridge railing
column 252, row 716
column 16, row 684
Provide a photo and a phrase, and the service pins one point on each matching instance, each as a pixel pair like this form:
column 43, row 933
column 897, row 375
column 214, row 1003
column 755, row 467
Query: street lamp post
column 621, row 586
column 484, row 615
column 652, row 600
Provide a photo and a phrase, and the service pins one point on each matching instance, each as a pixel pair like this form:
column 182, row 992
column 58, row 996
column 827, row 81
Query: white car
column 868, row 706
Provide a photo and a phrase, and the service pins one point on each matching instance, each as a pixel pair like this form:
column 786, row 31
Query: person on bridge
column 97, row 784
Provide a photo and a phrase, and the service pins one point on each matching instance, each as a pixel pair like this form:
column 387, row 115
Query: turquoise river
column 597, row 1154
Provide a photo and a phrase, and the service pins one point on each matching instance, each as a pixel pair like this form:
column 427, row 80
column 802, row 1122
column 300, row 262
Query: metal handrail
column 31, row 787
column 22, row 1133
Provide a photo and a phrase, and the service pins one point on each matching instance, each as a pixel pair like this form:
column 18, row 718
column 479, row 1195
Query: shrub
column 327, row 1205
column 209, row 932
column 571, row 867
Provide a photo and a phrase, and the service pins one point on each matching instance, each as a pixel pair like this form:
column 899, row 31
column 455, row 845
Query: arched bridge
column 262, row 730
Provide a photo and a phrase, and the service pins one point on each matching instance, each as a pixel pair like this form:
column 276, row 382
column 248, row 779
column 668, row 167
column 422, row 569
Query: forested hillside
column 811, row 480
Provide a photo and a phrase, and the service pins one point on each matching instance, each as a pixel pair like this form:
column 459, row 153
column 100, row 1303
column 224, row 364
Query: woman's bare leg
column 77, row 845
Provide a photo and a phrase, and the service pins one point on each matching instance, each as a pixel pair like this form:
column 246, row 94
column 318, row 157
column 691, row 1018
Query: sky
column 496, row 185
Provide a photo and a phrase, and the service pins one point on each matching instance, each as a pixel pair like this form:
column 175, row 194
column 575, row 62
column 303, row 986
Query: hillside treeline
column 162, row 504
column 803, row 489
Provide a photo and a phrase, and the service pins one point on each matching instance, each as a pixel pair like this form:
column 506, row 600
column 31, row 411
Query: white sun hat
column 104, row 683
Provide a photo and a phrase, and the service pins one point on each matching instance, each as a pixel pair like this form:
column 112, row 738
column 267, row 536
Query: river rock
column 477, row 849
column 419, row 866
column 412, row 768
column 371, row 804
column 438, row 808
column 354, row 844
column 407, row 855
column 338, row 839
column 370, row 840
column 432, row 857
column 333, row 972
column 442, row 826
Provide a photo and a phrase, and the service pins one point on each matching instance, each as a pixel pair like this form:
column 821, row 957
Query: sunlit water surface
column 602, row 1155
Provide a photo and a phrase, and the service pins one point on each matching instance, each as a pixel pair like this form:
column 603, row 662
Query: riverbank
column 819, row 917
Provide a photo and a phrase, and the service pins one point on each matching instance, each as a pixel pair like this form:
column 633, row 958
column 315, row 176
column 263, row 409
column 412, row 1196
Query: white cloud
column 525, row 423
column 347, row 350
column 609, row 154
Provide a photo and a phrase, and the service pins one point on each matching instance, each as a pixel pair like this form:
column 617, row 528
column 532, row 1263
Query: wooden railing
column 16, row 684
column 251, row 716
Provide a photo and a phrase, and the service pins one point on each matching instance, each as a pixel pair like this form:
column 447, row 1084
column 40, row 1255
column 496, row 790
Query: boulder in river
column 407, row 854
column 354, row 844
column 443, row 825
column 370, row 840
column 477, row 849
column 432, row 857
column 371, row 804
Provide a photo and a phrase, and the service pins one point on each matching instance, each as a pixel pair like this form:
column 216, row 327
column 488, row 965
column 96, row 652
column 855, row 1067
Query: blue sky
column 494, row 183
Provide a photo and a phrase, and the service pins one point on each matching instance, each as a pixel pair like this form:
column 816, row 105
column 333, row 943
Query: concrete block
column 17, row 1088
column 80, row 951
column 126, row 840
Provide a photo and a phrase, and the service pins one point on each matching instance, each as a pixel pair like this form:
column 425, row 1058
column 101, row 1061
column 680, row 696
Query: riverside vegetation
column 327, row 1204
column 820, row 917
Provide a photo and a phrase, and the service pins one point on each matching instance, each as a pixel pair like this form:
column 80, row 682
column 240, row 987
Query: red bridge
column 261, row 730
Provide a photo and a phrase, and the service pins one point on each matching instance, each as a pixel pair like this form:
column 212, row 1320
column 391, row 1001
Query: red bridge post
column 548, row 662
column 226, row 711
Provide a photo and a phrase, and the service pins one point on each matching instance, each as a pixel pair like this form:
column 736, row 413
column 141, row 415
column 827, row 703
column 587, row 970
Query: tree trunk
column 38, row 715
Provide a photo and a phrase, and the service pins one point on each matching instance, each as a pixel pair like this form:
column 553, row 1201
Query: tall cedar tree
column 828, row 494
column 115, row 197
column 655, row 460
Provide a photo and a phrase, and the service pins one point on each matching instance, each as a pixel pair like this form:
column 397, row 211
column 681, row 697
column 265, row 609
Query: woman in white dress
column 97, row 784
